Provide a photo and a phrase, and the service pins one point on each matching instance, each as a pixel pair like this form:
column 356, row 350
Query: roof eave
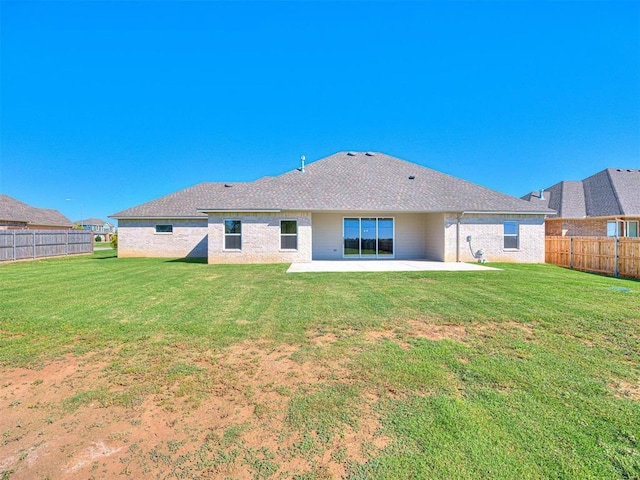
column 156, row 217
column 239, row 210
column 506, row 212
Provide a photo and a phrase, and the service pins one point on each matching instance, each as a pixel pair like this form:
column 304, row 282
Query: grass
column 507, row 374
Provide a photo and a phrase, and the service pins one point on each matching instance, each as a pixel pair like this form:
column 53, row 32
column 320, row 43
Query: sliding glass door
column 368, row 237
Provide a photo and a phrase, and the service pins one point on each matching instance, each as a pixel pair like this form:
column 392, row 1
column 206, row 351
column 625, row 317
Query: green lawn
column 527, row 372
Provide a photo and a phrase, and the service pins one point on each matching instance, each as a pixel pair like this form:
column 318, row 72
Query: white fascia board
column 481, row 212
column 239, row 210
column 161, row 217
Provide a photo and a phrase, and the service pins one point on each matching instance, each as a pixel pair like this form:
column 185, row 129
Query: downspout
column 458, row 236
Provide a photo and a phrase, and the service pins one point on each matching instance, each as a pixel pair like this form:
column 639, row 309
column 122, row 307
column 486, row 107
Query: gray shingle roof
column 343, row 181
column 611, row 192
column 91, row 221
column 626, row 185
column 12, row 210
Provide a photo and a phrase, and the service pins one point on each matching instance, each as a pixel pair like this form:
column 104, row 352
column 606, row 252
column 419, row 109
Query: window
column 632, row 229
column 164, row 228
column 232, row 235
column 511, row 240
column 288, row 234
column 368, row 237
column 612, row 229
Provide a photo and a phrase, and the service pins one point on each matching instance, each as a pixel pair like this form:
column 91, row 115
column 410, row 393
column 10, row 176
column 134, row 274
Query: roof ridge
column 615, row 191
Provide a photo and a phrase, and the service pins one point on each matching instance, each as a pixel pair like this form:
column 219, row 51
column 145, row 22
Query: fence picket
column 616, row 256
column 22, row 244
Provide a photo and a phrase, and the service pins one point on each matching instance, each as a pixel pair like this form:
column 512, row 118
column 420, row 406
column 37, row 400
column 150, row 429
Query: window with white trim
column 164, row 229
column 511, row 235
column 288, row 234
column 612, row 229
column 232, row 235
column 632, row 229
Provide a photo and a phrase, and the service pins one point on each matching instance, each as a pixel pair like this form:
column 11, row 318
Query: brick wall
column 579, row 227
column 260, row 238
column 487, row 233
column 137, row 238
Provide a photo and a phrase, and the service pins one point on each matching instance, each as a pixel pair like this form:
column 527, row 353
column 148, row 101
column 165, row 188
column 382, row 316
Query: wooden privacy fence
column 617, row 256
column 23, row 244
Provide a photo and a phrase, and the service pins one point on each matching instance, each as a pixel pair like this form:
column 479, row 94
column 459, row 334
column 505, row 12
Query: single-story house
column 15, row 215
column 350, row 205
column 98, row 227
column 605, row 204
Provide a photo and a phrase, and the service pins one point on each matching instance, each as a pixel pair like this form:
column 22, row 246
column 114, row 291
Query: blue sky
column 112, row 104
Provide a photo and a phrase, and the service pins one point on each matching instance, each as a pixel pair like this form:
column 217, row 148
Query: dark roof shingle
column 12, row 210
column 611, row 192
column 343, row 181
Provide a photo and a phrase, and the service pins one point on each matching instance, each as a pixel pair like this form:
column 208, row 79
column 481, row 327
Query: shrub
column 114, row 240
column 98, row 238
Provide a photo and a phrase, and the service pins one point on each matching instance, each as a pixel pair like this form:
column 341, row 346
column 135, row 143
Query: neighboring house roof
column 346, row 181
column 12, row 210
column 92, row 221
column 611, row 192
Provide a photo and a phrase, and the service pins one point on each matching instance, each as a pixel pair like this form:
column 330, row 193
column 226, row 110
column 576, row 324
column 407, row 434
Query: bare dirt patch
column 624, row 389
column 229, row 418
column 491, row 329
column 418, row 329
column 434, row 331
column 324, row 340
column 424, row 328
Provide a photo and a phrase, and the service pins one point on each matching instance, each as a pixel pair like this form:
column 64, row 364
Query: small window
column 632, row 229
column 511, row 234
column 288, row 234
column 612, row 229
column 164, row 228
column 232, row 235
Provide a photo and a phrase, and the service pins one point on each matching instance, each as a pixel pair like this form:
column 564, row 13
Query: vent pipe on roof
column 541, row 194
column 302, row 159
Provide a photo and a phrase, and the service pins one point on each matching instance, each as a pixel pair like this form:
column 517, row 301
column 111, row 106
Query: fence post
column 616, row 271
column 571, row 253
column 66, row 250
column 34, row 244
column 14, row 246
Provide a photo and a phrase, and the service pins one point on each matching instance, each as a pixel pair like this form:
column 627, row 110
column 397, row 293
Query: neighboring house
column 605, row 204
column 98, row 227
column 15, row 214
column 346, row 206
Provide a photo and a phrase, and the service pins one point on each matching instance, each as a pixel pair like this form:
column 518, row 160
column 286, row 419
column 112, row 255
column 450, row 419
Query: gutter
column 458, row 218
column 488, row 212
column 239, row 210
column 156, row 217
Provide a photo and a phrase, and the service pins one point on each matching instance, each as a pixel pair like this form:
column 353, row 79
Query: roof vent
column 351, row 154
column 541, row 194
column 412, row 177
column 370, row 154
column 228, row 185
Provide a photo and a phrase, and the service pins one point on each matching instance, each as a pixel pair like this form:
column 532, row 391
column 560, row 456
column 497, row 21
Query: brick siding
column 487, row 233
column 137, row 238
column 579, row 227
column 260, row 238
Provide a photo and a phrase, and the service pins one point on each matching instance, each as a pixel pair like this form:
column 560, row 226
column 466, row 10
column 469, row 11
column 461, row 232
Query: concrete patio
column 385, row 266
